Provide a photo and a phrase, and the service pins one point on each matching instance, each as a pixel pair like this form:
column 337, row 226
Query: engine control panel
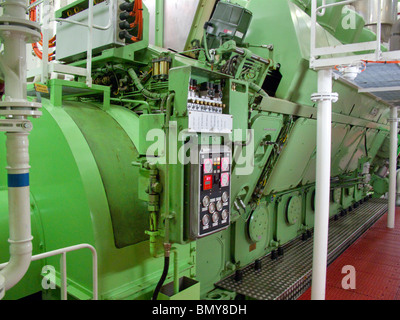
column 211, row 183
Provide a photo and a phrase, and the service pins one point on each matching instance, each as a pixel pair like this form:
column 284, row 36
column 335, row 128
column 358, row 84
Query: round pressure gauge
column 206, row 220
column 215, row 217
column 206, row 201
column 225, row 197
column 211, row 207
column 225, row 164
column 224, row 179
column 224, row 214
column 208, row 166
column 219, row 205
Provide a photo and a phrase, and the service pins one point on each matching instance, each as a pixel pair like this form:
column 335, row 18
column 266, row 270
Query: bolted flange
column 318, row 97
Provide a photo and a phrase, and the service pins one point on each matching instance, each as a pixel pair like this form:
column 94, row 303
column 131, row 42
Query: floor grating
column 287, row 277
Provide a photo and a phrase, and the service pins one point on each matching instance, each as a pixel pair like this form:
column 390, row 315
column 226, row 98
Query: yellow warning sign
column 41, row 88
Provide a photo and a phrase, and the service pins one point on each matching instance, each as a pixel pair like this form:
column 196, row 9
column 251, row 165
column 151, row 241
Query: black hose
column 162, row 279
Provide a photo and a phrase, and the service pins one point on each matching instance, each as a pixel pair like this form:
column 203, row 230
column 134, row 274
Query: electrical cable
column 35, row 47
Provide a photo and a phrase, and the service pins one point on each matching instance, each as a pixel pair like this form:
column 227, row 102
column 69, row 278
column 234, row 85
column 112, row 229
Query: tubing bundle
column 35, row 47
column 137, row 12
column 132, row 10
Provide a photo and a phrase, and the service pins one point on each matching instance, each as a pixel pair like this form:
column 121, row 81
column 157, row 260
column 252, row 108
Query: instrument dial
column 225, row 197
column 224, row 214
column 215, row 217
column 206, row 201
column 225, row 164
column 206, row 220
column 219, row 205
column 208, row 166
column 224, row 179
column 211, row 207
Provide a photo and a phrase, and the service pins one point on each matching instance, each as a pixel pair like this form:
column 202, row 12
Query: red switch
column 207, row 182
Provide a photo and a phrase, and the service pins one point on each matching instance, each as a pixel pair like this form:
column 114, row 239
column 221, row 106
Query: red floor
column 376, row 259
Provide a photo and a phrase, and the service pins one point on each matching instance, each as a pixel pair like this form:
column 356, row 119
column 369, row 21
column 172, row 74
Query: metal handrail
column 63, row 266
column 346, row 48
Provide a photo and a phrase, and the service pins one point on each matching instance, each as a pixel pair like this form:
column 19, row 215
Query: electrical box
column 229, row 22
column 72, row 39
column 211, row 191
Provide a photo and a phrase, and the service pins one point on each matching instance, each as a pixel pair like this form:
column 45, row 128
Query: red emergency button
column 207, row 182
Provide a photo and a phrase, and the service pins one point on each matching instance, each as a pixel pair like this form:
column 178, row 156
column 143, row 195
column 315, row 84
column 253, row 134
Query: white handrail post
column 63, row 276
column 90, row 46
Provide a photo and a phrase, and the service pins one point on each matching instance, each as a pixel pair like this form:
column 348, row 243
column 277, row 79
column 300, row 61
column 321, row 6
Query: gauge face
column 224, row 214
column 225, row 197
column 224, row 179
column 211, row 207
column 215, row 217
column 208, row 166
column 206, row 220
column 206, row 201
column 224, row 164
column 219, row 205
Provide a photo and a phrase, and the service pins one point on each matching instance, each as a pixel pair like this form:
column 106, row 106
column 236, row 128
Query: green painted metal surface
column 92, row 183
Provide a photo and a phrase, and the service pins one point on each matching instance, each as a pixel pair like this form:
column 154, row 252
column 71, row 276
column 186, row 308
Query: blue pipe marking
column 18, row 180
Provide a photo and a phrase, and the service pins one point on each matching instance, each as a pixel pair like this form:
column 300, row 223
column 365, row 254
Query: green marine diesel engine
column 179, row 168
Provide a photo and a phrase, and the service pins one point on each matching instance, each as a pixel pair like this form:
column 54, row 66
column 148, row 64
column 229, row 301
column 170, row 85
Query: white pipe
column 90, row 46
column 13, row 65
column 392, row 167
column 398, row 188
column 19, row 209
column 63, row 272
column 45, row 33
column 323, row 175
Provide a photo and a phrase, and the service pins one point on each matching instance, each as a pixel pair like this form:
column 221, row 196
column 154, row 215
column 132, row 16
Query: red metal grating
column 376, row 259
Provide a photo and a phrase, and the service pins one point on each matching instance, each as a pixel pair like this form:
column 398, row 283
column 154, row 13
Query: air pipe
column 15, row 33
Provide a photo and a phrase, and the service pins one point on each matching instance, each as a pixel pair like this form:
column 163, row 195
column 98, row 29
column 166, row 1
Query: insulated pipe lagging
column 20, row 237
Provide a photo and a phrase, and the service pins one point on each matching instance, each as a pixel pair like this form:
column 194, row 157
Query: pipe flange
column 31, row 35
column 319, row 97
column 20, row 108
column 12, row 21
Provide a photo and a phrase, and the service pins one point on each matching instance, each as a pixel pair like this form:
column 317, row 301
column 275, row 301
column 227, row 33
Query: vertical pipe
column 392, row 167
column 313, row 31
column 379, row 32
column 90, row 45
column 324, row 132
column 45, row 33
column 159, row 28
column 20, row 238
column 13, row 64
